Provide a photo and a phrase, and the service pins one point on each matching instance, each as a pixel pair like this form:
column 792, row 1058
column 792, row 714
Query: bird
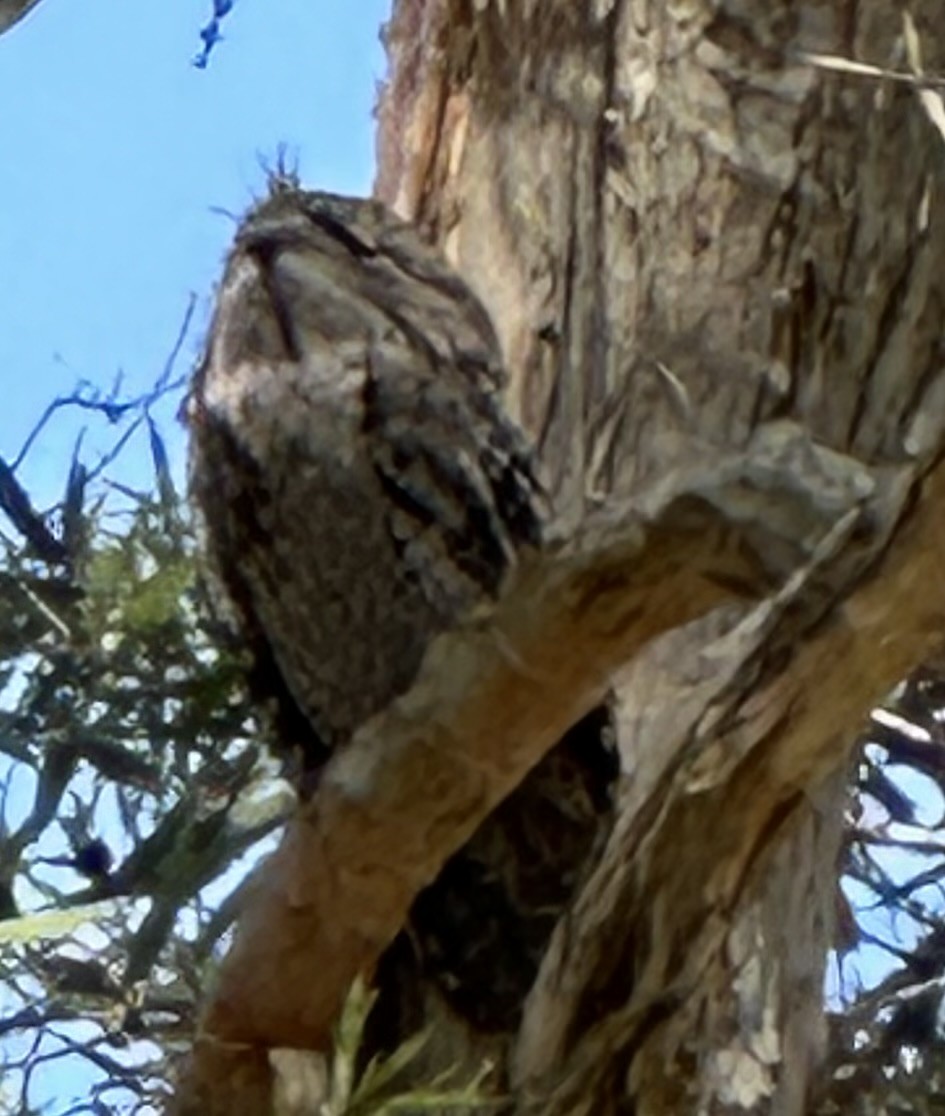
column 359, row 486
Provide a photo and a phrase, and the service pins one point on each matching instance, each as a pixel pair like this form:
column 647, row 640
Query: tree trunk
column 696, row 231
column 711, row 249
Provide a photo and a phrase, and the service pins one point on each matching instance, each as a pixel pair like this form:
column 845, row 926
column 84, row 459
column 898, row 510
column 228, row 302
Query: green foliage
column 119, row 585
column 123, row 719
column 378, row 1091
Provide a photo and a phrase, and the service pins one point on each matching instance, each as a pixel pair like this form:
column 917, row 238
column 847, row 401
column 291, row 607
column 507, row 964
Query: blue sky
column 119, row 159
column 118, row 155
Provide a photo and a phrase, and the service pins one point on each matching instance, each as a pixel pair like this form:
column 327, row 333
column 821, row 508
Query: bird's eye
column 357, row 245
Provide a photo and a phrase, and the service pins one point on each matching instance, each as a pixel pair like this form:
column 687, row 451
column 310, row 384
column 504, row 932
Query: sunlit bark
column 693, row 239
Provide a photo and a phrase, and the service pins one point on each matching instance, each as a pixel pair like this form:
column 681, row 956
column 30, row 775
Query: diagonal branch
column 785, row 735
column 12, row 11
column 491, row 699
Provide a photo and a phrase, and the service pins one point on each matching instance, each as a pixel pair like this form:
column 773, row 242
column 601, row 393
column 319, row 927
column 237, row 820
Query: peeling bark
column 490, row 700
column 687, row 236
column 698, row 249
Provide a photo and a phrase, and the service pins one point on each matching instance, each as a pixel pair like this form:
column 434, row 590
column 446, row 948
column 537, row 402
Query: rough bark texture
column 491, row 699
column 687, row 235
column 715, row 271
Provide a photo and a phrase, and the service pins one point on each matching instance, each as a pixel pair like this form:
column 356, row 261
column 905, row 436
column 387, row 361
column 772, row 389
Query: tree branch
column 12, row 11
column 491, row 699
column 769, row 755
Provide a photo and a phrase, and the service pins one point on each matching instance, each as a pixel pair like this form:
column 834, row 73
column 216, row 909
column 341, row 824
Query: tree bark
column 690, row 232
column 699, row 243
column 492, row 698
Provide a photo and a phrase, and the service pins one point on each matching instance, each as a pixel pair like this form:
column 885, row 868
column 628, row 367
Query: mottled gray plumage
column 359, row 484
column 361, row 489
